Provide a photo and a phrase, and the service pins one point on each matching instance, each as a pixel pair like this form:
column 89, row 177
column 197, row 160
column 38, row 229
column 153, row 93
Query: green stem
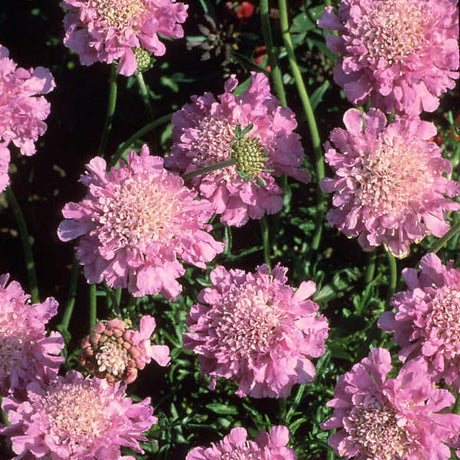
column 145, row 94
column 26, row 246
column 137, row 135
column 393, row 275
column 71, row 297
column 457, row 404
column 276, row 74
column 266, row 240
column 313, row 127
column 110, row 109
column 92, row 305
column 370, row 269
column 445, row 239
column 206, row 169
column 228, row 239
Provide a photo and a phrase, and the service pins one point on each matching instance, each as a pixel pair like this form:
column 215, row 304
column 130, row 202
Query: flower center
column 242, row 453
column 112, row 356
column 119, row 14
column 443, row 323
column 248, row 322
column 250, row 156
column 393, row 30
column 377, row 431
column 393, row 175
column 77, row 414
column 143, row 59
column 138, row 212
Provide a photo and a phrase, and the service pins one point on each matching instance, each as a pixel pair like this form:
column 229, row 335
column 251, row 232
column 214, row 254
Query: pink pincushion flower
column 107, row 30
column 135, row 222
column 268, row 446
column 391, row 419
column 402, row 54
column 426, row 322
column 389, row 186
column 114, row 352
column 257, row 331
column 204, row 134
column 26, row 352
column 74, row 418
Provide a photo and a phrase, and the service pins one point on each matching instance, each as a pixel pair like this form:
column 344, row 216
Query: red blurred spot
column 245, row 10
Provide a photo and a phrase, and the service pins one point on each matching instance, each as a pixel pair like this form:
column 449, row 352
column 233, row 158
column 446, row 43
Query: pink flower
column 266, row 447
column 204, row 134
column 391, row 419
column 74, row 418
column 116, row 353
column 257, row 331
column 26, row 353
column 389, row 186
column 402, row 54
column 106, row 30
column 135, row 221
column 426, row 322
column 22, row 110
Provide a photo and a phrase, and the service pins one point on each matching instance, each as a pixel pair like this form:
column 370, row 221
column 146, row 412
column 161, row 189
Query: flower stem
column 110, row 109
column 137, row 135
column 393, row 275
column 64, row 326
column 445, row 239
column 313, row 127
column 26, row 246
column 206, row 169
column 266, row 240
column 370, row 269
column 145, row 94
column 457, row 404
column 92, row 305
column 228, row 239
column 276, row 74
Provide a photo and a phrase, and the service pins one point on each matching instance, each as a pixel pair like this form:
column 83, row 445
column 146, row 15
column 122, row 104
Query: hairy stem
column 26, row 246
column 111, row 104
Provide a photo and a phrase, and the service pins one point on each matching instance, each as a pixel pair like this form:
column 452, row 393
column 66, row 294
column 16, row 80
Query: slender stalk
column 71, row 297
column 393, row 275
column 313, row 127
column 26, row 246
column 276, row 74
column 206, row 169
column 266, row 240
column 137, row 135
column 92, row 305
column 445, row 239
column 457, row 404
column 228, row 239
column 110, row 109
column 370, row 269
column 145, row 94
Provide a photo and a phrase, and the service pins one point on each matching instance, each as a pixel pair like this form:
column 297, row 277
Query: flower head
column 74, row 418
column 26, row 352
column 402, row 54
column 114, row 352
column 427, row 319
column 134, row 223
column 106, row 30
column 391, row 419
column 389, row 185
column 268, row 446
column 206, row 132
column 257, row 331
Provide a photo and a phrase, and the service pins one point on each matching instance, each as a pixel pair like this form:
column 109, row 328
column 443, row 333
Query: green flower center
column 250, row 156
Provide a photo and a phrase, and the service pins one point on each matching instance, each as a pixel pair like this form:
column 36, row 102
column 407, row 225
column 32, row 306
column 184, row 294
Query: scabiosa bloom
column 236, row 446
column 74, row 418
column 26, row 352
column 106, row 30
column 205, row 133
column 402, row 54
column 135, row 221
column 22, row 109
column 426, row 322
column 114, row 352
column 391, row 419
column 389, row 185
column 257, row 330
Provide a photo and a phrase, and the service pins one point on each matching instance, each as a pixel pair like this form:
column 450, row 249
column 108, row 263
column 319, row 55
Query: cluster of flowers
column 389, row 185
